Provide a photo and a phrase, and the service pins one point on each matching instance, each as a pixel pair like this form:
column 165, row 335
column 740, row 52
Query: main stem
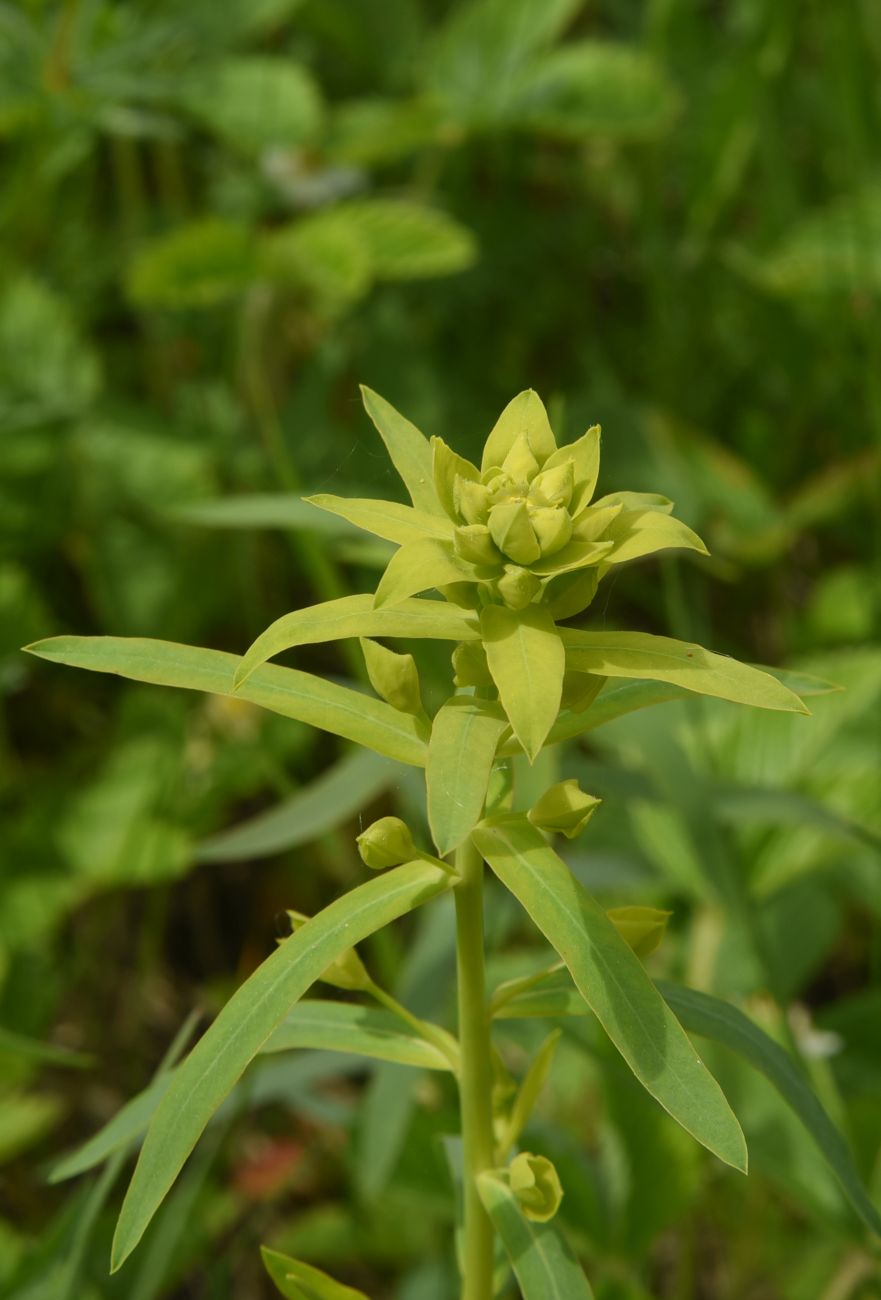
column 475, row 1081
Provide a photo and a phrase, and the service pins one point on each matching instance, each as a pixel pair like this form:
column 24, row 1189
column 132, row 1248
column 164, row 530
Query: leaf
column 585, row 456
column 835, row 249
column 712, row 1018
column 298, row 1281
column 388, row 519
column 527, row 661
column 355, row 616
column 293, row 694
column 321, row 254
column 253, row 102
column 600, row 88
column 409, row 450
column 613, row 983
column 528, row 1094
column 637, row 533
column 32, row 1049
column 464, row 737
column 540, row 1256
column 660, row 658
column 483, row 49
column 548, row 996
column 347, row 1027
column 331, row 800
column 418, row 566
column 369, row 131
column 243, row 1026
column 525, row 415
column 260, row 510
column 408, row 241
column 197, row 265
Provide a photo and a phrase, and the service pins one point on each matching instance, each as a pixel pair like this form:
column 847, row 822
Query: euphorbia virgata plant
column 497, row 560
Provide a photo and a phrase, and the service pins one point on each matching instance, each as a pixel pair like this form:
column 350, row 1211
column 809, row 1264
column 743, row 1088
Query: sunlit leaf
column 613, row 982
column 355, row 616
column 197, row 265
column 524, row 416
column 387, row 519
column 254, row 101
column 298, row 1281
column 418, row 566
column 407, row 241
column 660, row 658
column 258, row 1007
column 464, row 736
column 643, row 532
column 527, row 661
column 287, row 691
column 408, row 449
column 540, row 1256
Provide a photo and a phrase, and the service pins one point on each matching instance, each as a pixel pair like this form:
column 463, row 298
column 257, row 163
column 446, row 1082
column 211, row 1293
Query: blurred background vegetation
column 218, row 218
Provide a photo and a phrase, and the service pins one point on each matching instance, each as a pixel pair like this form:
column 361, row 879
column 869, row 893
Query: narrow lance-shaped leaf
column 219, row 1058
column 703, row 1014
column 527, row 662
column 331, row 799
column 388, row 519
column 408, row 449
column 464, row 737
column 418, row 566
column 613, row 983
column 293, row 694
column 355, row 616
column 298, row 1281
column 660, row 658
column 540, row 1256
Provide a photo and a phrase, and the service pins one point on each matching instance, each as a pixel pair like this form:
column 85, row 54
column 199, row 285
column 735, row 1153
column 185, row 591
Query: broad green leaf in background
column 483, row 49
column 613, row 983
column 527, row 662
column 408, row 241
column 355, row 616
column 293, row 694
column 388, row 519
column 408, row 449
column 713, row 1018
column 464, row 737
column 836, row 249
column 257, row 1008
column 197, row 265
column 540, row 1256
column 298, row 1281
column 320, row 254
column 254, row 102
column 660, row 658
column 596, row 88
column 418, row 566
column 329, row 801
column 365, row 131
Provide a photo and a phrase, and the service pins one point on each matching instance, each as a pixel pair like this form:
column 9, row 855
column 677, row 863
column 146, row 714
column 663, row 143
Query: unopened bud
column 393, row 676
column 469, row 665
column 474, row 543
column 536, row 1185
column 517, row 587
column 553, row 487
column 346, row 971
column 520, row 464
column 512, row 532
column 552, row 527
column 387, row 843
column 564, row 808
column 642, row 928
column 471, row 500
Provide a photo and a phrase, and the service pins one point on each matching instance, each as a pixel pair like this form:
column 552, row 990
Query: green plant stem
column 475, row 1078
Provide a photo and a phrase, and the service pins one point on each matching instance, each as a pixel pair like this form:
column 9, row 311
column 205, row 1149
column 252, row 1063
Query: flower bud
column 552, row 527
column 536, row 1185
column 553, row 487
column 565, row 808
column 642, row 928
column 474, row 543
column 346, row 971
column 472, row 500
column 386, row 843
column 517, row 587
column 512, row 532
column 520, row 464
column 393, row 676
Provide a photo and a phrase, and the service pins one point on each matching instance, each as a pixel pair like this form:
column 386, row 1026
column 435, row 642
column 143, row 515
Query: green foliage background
column 216, row 220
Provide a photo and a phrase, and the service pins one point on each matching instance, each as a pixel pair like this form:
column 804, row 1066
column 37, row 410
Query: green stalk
column 475, row 1079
